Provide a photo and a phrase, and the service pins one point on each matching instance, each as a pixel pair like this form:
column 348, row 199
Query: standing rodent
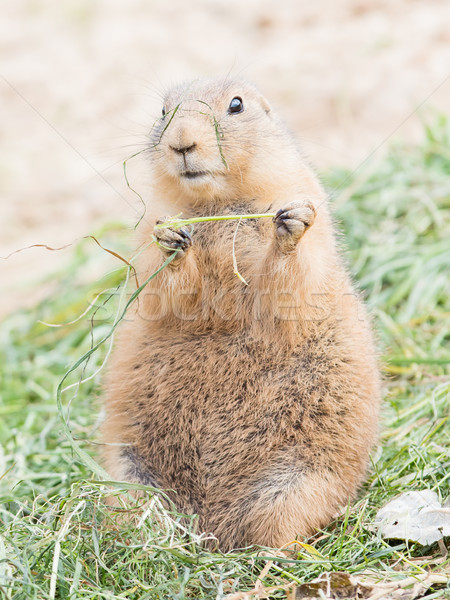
column 258, row 405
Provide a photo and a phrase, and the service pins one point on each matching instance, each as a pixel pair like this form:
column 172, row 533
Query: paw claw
column 294, row 219
column 173, row 239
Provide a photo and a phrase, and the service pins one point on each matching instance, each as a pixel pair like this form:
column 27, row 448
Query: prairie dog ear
column 265, row 104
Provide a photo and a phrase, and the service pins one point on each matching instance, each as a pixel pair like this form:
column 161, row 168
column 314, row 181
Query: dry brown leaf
column 333, row 585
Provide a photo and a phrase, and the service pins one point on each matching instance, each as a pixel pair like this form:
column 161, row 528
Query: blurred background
column 81, row 83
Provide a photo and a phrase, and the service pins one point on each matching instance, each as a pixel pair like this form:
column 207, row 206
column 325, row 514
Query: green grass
column 58, row 538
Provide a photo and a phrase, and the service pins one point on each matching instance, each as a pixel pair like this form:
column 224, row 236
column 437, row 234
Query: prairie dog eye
column 236, row 105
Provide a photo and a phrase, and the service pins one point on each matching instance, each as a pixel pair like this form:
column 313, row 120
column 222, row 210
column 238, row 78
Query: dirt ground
column 81, row 82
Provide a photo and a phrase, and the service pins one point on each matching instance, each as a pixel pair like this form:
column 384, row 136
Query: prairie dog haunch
column 258, row 405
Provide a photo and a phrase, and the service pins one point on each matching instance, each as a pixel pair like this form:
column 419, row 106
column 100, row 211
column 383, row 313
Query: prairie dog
column 258, row 405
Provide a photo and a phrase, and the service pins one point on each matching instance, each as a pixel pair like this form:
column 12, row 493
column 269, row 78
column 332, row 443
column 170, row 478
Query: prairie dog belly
column 203, row 410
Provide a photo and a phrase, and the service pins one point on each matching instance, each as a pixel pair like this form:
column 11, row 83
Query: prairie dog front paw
column 292, row 220
column 172, row 239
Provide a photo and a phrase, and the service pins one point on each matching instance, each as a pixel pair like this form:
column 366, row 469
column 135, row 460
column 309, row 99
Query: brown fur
column 257, row 405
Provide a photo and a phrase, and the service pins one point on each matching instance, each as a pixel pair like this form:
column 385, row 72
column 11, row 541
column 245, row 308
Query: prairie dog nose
column 183, row 148
column 182, row 137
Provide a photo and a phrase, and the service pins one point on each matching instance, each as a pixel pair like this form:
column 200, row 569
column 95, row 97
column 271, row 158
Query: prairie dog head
column 216, row 140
